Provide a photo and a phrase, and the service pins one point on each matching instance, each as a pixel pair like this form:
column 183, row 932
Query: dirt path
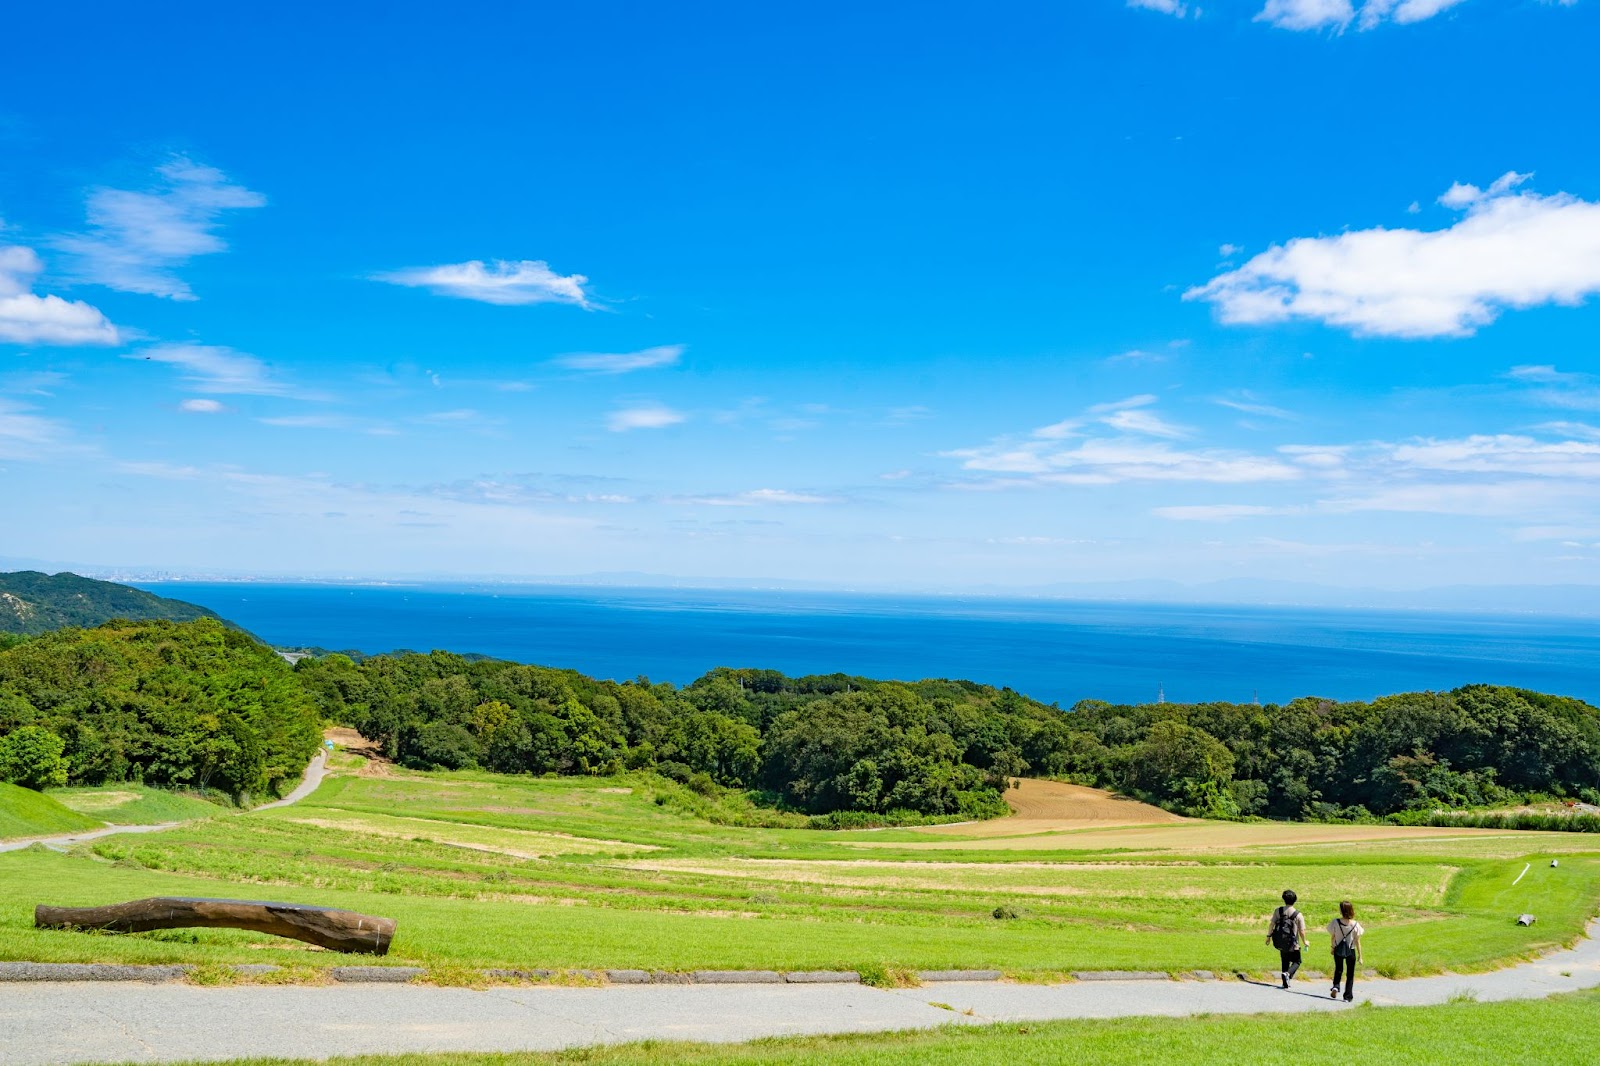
column 1053, row 806
column 308, row 784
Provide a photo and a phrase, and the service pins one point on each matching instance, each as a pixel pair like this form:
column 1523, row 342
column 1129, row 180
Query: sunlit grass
column 482, row 870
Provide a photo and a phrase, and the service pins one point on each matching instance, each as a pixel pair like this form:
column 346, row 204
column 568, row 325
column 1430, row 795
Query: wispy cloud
column 1246, row 403
column 25, row 435
column 216, row 369
column 1175, row 8
column 28, row 318
column 644, row 416
column 1216, row 512
column 1042, row 457
column 624, row 362
column 525, row 281
column 1558, row 388
column 135, row 240
column 196, row 406
column 1337, row 15
column 1512, row 250
column 756, row 498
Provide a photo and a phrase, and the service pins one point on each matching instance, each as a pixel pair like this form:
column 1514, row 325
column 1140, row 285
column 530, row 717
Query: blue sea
column 1052, row 650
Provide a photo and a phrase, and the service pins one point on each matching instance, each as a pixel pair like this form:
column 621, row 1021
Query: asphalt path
column 308, row 784
column 84, row 1022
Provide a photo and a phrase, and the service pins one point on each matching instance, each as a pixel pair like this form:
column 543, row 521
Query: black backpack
column 1345, row 947
column 1285, row 937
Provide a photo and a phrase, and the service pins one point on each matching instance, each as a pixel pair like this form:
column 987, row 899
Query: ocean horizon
column 1053, row 650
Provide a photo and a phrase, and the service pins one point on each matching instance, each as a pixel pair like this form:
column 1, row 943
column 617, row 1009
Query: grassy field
column 1559, row 1030
column 25, row 813
column 482, row 870
column 129, row 804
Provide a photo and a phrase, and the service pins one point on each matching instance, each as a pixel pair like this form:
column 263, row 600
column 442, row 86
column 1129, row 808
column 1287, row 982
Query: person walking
column 1287, row 932
column 1345, row 934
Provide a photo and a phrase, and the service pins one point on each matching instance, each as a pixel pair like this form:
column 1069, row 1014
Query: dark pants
column 1345, row 968
column 1291, row 961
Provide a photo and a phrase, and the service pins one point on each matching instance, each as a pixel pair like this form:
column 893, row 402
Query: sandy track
column 1055, row 806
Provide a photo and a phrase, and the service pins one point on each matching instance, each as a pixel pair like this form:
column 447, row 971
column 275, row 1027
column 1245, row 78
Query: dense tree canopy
column 199, row 704
column 31, row 602
column 188, row 704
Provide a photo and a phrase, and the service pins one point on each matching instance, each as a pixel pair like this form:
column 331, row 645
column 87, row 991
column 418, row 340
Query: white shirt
column 1351, row 932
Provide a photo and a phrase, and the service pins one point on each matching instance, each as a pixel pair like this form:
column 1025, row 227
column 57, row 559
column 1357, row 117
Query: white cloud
column 645, row 416
column 1175, row 8
column 1338, row 14
column 1559, row 388
column 624, row 362
column 309, row 421
column 1502, row 454
column 1106, row 462
column 1512, row 250
column 212, row 368
column 1308, row 14
column 1247, row 404
column 23, row 435
column 1146, row 422
column 28, row 318
column 201, row 407
column 136, row 239
column 1041, row 458
column 1374, row 12
column 756, row 497
column 527, row 281
column 1215, row 512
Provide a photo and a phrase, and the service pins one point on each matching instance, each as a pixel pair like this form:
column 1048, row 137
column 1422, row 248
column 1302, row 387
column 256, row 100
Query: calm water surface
column 1052, row 650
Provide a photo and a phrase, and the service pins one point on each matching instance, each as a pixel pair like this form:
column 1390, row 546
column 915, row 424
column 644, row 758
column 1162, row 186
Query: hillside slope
column 24, row 813
column 32, row 603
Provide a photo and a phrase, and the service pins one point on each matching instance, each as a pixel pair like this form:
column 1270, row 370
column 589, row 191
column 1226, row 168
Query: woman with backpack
column 1287, row 932
column 1345, row 933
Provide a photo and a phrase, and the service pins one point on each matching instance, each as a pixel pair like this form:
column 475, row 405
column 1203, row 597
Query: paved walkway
column 59, row 1024
column 308, row 784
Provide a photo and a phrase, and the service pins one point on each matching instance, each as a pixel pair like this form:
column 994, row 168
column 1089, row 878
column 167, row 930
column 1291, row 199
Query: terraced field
column 484, row 870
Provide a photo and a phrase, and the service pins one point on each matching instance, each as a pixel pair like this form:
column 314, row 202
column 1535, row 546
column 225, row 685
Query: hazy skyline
column 1300, row 290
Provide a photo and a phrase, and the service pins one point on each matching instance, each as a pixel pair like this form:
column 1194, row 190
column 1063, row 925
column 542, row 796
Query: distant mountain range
column 31, row 602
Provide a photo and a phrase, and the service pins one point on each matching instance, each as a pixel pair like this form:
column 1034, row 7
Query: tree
column 31, row 757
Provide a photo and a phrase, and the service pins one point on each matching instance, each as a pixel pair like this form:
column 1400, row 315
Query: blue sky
column 914, row 295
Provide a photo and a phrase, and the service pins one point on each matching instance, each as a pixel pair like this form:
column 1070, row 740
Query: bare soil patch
column 354, row 743
column 1054, row 806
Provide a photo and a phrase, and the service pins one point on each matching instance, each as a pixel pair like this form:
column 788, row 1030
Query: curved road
column 57, row 1024
column 309, row 781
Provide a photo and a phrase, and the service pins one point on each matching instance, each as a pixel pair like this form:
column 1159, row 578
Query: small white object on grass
column 1555, row 862
column 1526, row 919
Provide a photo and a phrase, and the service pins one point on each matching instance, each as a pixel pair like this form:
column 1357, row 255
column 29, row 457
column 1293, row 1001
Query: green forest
column 198, row 704
column 178, row 704
column 32, row 602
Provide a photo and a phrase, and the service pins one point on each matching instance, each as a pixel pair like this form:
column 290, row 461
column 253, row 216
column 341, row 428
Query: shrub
column 31, row 757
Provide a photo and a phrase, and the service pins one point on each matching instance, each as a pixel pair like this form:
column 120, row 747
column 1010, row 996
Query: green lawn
column 595, row 873
column 1559, row 1031
column 26, row 813
column 129, row 804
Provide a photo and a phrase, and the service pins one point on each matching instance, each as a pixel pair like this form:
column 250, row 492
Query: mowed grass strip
column 1559, row 1031
column 452, row 859
column 25, row 813
column 130, row 804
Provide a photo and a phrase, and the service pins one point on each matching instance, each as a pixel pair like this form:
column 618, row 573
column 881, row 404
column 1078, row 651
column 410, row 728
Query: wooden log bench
column 324, row 926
